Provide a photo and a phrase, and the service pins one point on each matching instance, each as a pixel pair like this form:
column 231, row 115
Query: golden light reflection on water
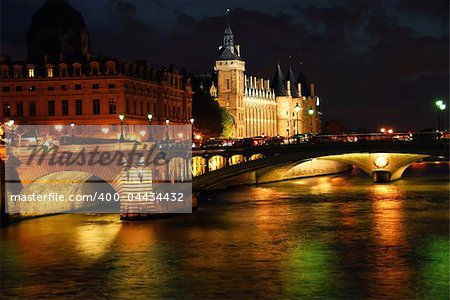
column 323, row 185
column 319, row 185
column 134, row 238
column 93, row 241
column 391, row 268
column 346, row 211
column 272, row 206
column 286, row 240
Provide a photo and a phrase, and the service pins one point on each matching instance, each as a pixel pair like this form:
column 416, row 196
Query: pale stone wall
column 230, row 77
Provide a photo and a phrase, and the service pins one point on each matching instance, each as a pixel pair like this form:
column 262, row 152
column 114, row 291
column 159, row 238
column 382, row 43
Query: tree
column 206, row 111
column 227, row 123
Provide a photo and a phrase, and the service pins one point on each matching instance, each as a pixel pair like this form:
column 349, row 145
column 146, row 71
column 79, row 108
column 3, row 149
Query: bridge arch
column 216, row 162
column 382, row 167
column 198, row 165
column 30, row 173
column 178, row 168
column 65, row 191
column 256, row 156
column 299, row 169
column 236, row 159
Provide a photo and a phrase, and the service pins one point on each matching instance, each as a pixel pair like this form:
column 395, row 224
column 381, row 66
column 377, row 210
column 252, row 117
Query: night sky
column 374, row 62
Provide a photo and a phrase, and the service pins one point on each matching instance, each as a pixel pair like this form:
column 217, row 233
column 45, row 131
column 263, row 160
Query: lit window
column 49, row 72
column 30, row 72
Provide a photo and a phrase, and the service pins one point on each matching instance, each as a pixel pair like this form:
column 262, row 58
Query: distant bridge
column 384, row 162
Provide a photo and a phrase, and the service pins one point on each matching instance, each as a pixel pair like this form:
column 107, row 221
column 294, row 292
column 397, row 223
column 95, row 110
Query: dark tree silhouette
column 206, row 111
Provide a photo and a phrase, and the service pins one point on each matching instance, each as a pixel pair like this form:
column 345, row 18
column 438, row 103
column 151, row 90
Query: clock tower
column 230, row 68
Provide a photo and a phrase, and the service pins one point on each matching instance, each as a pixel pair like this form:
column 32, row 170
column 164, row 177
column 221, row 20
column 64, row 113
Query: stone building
column 61, row 82
column 284, row 106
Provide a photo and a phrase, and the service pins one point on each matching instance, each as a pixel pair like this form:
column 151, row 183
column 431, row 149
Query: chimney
column 288, row 88
column 299, row 88
column 312, row 90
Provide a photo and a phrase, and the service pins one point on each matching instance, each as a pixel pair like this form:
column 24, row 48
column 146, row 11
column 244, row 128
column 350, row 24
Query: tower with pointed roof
column 261, row 107
column 230, row 68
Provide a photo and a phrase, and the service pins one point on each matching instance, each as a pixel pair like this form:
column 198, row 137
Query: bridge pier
column 381, row 176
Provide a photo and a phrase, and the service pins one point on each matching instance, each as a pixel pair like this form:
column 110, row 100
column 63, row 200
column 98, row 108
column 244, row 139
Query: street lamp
column 105, row 130
column 297, row 109
column 192, row 129
column 10, row 124
column 72, row 126
column 142, row 133
column 58, row 128
column 167, row 129
column 441, row 106
column 122, row 137
column 150, row 117
column 310, row 113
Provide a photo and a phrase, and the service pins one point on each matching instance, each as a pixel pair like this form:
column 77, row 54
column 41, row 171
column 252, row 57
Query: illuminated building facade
column 62, row 83
column 284, row 106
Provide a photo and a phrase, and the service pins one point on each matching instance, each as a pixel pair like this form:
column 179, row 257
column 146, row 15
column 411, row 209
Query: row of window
column 64, row 87
column 63, row 71
column 169, row 111
column 64, row 105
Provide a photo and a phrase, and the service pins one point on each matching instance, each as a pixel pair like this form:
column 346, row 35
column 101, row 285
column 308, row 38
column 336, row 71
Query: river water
column 332, row 237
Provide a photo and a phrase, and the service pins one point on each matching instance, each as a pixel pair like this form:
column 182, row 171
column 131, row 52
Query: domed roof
column 57, row 29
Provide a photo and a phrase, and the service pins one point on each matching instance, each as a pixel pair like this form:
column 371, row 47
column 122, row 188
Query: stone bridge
column 212, row 168
column 36, row 170
column 383, row 161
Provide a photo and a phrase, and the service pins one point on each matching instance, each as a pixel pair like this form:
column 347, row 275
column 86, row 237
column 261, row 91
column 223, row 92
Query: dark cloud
column 435, row 9
column 126, row 35
column 121, row 9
